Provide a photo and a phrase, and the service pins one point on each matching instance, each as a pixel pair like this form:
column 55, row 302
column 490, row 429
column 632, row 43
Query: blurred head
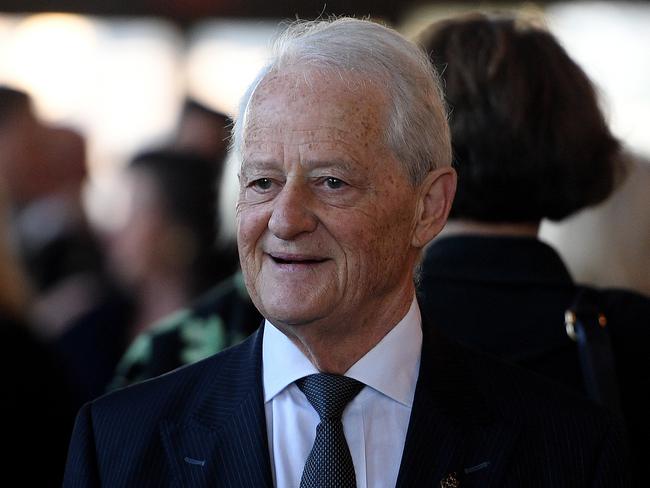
column 529, row 139
column 12, row 103
column 67, row 157
column 170, row 225
column 345, row 174
column 203, row 131
column 22, row 139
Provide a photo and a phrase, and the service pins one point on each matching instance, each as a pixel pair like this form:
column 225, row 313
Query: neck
column 334, row 345
column 512, row 229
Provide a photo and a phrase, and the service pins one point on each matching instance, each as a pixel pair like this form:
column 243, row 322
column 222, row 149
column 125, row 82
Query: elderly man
column 345, row 177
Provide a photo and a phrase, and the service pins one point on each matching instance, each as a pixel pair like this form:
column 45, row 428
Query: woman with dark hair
column 529, row 142
column 529, row 139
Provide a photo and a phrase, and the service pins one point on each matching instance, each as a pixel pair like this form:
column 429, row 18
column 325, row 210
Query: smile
column 295, row 259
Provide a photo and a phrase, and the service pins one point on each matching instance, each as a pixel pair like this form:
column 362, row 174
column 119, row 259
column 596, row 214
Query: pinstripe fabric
column 491, row 424
column 202, row 425
column 499, row 426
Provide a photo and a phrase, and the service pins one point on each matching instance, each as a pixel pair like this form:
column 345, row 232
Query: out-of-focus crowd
column 72, row 296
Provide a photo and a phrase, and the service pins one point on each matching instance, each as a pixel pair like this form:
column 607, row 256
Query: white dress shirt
column 375, row 421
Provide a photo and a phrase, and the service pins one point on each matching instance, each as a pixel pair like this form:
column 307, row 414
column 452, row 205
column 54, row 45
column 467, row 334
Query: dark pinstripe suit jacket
column 204, row 425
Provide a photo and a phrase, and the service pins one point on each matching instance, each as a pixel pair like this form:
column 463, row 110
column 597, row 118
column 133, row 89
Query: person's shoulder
column 222, row 317
column 559, row 433
column 515, row 393
column 179, row 390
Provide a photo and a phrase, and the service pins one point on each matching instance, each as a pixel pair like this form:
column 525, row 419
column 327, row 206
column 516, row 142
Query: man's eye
column 334, row 183
column 262, row 184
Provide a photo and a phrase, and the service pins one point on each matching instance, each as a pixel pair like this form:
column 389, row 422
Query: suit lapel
column 452, row 429
column 453, row 432
column 223, row 443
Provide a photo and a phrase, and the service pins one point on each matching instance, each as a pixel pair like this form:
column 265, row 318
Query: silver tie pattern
column 329, row 464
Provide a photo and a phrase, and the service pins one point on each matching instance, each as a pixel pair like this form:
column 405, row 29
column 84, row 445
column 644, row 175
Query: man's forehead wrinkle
column 258, row 161
column 289, row 83
column 296, row 85
column 320, row 163
column 274, row 135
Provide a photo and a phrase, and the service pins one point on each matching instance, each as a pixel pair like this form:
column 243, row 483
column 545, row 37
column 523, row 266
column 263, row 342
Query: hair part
column 416, row 131
column 528, row 136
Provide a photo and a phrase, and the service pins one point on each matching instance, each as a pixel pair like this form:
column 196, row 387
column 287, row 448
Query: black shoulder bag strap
column 586, row 324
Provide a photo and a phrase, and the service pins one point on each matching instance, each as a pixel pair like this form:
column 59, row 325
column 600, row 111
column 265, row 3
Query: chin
column 290, row 314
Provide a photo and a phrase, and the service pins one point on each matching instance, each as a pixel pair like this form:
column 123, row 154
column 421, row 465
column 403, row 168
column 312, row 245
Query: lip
column 294, row 259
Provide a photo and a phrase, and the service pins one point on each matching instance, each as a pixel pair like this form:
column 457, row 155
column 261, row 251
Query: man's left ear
column 435, row 198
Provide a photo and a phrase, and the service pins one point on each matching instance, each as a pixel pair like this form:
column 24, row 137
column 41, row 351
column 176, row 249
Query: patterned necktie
column 329, row 464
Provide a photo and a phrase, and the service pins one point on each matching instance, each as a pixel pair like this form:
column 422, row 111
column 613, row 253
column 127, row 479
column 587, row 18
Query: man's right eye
column 262, row 184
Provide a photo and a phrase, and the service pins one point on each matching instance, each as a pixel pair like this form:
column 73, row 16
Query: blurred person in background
column 203, row 131
column 163, row 254
column 221, row 317
column 44, row 169
column 529, row 143
column 61, row 251
column 21, row 152
column 36, row 408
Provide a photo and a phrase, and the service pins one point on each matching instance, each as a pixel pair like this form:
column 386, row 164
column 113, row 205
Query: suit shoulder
column 514, row 391
column 180, row 389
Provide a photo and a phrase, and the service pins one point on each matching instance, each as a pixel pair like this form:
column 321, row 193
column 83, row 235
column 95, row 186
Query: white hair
column 417, row 130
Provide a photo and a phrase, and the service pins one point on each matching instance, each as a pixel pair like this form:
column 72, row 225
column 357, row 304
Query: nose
column 291, row 215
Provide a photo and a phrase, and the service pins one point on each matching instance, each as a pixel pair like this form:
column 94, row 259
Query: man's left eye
column 334, row 183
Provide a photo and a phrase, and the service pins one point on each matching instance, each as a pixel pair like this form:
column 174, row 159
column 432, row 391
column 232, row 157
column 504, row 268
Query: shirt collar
column 391, row 367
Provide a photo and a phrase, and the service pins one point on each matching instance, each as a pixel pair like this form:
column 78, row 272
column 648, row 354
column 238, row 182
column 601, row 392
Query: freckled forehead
column 260, row 135
column 308, row 107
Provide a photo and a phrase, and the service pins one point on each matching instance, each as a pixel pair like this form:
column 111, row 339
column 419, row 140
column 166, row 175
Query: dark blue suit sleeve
column 81, row 468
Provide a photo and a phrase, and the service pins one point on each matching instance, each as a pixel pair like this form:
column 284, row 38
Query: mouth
column 296, row 259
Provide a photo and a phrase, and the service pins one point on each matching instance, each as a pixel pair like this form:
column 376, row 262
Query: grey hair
column 417, row 130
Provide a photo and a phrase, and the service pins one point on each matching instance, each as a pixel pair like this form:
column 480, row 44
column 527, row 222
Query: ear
column 435, row 198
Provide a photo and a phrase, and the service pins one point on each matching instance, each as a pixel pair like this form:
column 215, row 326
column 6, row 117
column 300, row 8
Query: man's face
column 325, row 214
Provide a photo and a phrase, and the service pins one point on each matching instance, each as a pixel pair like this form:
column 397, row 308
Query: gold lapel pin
column 450, row 481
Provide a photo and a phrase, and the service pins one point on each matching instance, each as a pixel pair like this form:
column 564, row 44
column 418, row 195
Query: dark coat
column 36, row 409
column 487, row 423
column 507, row 296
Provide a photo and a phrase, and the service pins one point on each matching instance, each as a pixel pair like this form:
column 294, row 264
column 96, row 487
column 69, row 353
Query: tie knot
column 329, row 393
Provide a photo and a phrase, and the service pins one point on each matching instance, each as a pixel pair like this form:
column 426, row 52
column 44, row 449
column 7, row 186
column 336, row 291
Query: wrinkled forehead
column 299, row 106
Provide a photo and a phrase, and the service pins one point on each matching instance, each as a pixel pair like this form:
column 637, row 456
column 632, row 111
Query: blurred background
column 114, row 120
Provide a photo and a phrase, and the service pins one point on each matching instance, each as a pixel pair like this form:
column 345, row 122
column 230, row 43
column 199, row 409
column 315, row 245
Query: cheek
column 383, row 241
column 251, row 225
column 359, row 240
